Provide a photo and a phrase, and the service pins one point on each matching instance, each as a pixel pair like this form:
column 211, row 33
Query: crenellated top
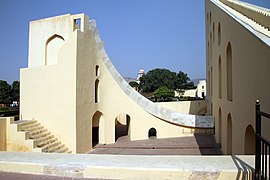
column 257, row 14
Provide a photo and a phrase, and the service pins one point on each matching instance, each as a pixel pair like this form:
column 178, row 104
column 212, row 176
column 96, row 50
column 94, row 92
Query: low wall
column 186, row 107
column 3, row 134
column 129, row 167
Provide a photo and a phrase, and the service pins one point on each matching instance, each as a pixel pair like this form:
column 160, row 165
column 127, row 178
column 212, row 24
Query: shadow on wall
column 207, row 144
column 198, row 107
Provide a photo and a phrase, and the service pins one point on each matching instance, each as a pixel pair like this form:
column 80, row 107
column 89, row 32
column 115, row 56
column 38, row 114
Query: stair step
column 45, row 138
column 31, row 127
column 55, row 148
column 36, row 136
column 22, row 123
column 39, row 131
column 51, row 145
column 46, row 142
column 62, row 150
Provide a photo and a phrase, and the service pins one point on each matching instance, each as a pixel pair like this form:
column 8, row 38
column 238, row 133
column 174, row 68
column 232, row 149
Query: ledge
column 128, row 167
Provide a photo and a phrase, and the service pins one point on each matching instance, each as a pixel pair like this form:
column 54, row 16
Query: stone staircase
column 44, row 141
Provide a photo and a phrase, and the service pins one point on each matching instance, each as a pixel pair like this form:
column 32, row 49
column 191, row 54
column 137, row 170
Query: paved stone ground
column 191, row 145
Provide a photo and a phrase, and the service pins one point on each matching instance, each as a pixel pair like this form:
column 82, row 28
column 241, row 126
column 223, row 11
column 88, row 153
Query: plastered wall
column 250, row 72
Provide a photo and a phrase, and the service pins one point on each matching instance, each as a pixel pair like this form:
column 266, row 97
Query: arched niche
column 219, row 77
column 97, row 126
column 97, row 70
column 229, row 72
column 52, row 47
column 97, row 91
column 220, row 126
column 250, row 139
column 229, row 134
column 219, row 34
column 152, row 133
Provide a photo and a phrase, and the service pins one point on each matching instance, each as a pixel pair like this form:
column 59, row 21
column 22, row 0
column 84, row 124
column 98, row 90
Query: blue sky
column 137, row 34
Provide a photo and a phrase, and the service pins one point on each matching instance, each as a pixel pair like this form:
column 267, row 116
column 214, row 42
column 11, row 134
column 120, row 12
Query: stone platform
column 191, row 145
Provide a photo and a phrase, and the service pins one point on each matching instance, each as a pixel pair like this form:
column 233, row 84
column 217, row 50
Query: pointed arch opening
column 229, row 134
column 211, row 76
column 97, row 91
column 152, row 133
column 52, row 47
column 220, row 126
column 250, row 139
column 219, row 77
column 229, row 72
column 211, row 47
column 208, row 61
column 214, row 33
column 219, row 34
column 97, row 70
column 122, row 126
column 96, row 128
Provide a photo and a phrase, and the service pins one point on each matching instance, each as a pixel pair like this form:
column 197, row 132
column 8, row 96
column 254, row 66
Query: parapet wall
column 129, row 167
column 259, row 15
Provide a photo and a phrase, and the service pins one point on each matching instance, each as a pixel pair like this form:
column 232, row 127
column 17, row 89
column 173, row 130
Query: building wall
column 250, row 74
column 48, row 92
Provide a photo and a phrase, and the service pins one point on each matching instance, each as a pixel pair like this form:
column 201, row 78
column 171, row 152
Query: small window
column 210, row 19
column 213, row 32
column 152, row 133
column 219, row 34
column 202, row 87
column 97, row 70
column 97, row 91
column 77, row 24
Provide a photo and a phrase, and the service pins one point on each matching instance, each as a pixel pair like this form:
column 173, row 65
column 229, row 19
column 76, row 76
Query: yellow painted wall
column 250, row 74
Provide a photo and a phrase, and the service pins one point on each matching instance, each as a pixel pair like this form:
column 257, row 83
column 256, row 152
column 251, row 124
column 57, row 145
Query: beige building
column 238, row 52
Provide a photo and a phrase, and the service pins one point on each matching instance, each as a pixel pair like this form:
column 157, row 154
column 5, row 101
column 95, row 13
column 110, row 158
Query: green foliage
column 163, row 93
column 157, row 78
column 9, row 93
column 15, row 91
column 6, row 112
column 133, row 84
column 5, row 92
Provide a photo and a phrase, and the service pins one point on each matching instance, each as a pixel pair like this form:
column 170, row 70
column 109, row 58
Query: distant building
column 140, row 74
column 200, row 91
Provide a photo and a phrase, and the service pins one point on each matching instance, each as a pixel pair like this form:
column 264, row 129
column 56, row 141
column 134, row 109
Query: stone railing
column 259, row 15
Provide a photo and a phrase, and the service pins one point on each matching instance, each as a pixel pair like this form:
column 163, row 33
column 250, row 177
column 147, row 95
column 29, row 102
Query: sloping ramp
column 162, row 113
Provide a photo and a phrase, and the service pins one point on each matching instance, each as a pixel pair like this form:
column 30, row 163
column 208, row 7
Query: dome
column 141, row 71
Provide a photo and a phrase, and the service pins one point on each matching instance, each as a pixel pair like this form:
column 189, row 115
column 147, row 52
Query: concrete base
column 129, row 166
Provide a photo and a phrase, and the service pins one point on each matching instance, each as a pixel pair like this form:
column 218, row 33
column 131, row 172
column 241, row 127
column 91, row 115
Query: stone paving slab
column 190, row 145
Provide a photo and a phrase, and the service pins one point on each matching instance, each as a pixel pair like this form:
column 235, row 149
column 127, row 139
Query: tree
column 5, row 92
column 183, row 81
column 163, row 93
column 157, row 78
column 15, row 91
column 133, row 84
